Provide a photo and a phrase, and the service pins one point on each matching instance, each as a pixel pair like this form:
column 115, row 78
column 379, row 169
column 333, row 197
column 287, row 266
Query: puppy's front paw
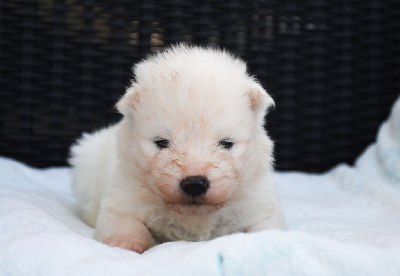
column 128, row 242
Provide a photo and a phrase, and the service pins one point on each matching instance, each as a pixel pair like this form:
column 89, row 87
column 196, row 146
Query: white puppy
column 190, row 159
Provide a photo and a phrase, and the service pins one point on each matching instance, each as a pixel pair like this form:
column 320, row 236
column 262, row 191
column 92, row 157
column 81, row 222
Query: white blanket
column 343, row 222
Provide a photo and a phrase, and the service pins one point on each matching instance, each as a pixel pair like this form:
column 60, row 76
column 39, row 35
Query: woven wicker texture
column 333, row 68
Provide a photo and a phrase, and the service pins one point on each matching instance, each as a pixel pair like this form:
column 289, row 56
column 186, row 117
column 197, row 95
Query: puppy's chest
column 173, row 227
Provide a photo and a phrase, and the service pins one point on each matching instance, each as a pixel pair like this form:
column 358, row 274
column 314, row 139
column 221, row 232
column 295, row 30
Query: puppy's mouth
column 193, row 208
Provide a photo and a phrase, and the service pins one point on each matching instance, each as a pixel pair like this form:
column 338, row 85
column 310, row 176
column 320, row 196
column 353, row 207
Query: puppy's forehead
column 195, row 99
column 194, row 89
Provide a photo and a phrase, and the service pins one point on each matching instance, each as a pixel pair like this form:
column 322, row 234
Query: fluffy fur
column 129, row 188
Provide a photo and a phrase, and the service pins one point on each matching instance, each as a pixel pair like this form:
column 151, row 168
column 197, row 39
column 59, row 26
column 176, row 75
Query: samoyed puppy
column 190, row 160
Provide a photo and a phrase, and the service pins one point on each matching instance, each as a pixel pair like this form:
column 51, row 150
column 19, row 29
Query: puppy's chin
column 193, row 209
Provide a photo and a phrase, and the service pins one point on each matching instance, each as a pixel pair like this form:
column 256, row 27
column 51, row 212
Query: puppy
column 190, row 159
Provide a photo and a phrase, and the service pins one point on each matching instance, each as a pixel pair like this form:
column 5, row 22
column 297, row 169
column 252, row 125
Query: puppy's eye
column 226, row 144
column 161, row 143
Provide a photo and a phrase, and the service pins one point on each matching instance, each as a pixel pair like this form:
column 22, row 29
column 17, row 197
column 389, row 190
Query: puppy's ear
column 260, row 101
column 128, row 101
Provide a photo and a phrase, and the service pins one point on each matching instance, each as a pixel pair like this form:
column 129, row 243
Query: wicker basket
column 332, row 66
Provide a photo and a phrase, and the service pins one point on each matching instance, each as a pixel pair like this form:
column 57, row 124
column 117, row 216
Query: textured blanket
column 343, row 222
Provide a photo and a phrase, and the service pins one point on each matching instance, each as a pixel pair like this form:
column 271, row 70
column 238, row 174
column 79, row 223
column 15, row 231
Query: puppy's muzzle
column 195, row 186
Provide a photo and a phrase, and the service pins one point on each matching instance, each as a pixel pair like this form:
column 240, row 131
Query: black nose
column 195, row 185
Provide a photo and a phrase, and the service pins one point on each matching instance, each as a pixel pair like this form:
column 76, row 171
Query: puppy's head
column 192, row 132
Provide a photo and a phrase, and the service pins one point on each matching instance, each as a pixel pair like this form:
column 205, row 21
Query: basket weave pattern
column 333, row 68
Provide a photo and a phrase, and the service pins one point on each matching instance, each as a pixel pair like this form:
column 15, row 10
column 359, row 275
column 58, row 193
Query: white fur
column 194, row 97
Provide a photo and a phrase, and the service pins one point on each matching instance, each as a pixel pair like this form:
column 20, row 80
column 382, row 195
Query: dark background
column 332, row 67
